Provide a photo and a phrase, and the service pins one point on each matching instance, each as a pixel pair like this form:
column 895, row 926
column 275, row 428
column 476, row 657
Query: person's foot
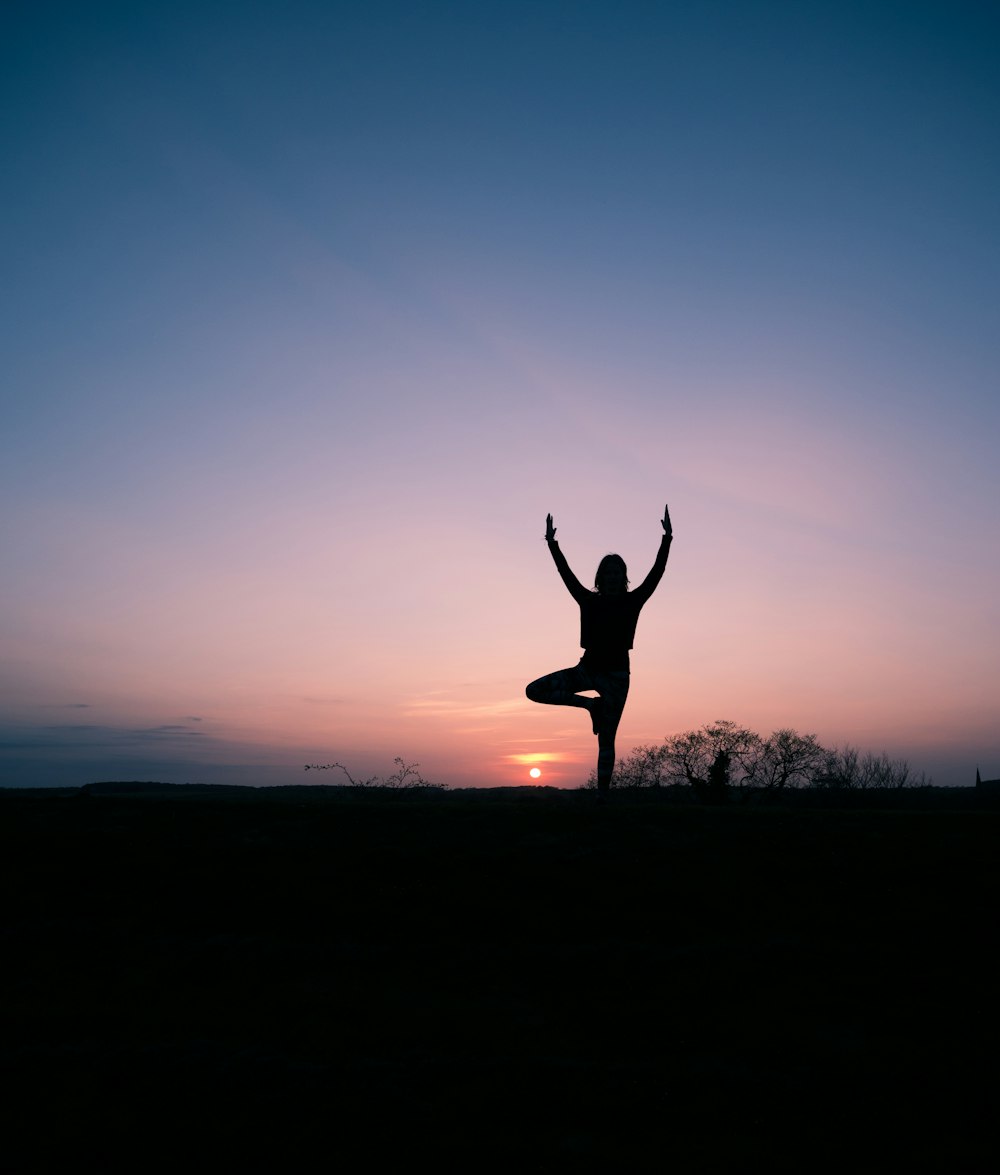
column 596, row 708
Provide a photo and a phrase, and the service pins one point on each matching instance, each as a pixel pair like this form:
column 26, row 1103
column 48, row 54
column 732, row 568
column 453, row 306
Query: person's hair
column 605, row 565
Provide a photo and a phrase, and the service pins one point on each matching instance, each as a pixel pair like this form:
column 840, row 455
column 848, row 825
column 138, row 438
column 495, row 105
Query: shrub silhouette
column 406, row 775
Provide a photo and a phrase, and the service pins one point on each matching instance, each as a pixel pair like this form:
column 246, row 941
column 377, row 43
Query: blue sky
column 313, row 312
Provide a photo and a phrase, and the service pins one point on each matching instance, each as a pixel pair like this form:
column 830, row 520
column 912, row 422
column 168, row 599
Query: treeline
column 723, row 754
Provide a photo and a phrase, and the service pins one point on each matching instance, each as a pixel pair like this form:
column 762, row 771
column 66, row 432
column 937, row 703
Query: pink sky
column 306, row 337
column 323, row 622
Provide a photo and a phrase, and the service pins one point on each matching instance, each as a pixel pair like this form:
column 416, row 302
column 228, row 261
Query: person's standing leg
column 561, row 689
column 614, row 692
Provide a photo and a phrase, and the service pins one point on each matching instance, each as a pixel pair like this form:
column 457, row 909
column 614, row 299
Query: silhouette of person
column 608, row 616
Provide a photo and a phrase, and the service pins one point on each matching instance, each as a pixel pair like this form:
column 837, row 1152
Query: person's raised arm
column 575, row 587
column 648, row 585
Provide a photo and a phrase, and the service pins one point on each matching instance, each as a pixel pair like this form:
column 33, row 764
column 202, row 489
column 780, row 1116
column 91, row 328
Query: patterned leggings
column 563, row 687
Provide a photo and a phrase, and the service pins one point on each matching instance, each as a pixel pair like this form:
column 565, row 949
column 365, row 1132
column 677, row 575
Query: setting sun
column 535, row 773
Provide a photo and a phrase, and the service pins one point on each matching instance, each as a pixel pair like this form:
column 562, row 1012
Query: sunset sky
column 312, row 311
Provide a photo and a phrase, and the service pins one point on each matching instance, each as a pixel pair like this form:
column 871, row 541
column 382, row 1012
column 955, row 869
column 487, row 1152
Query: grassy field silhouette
column 510, row 975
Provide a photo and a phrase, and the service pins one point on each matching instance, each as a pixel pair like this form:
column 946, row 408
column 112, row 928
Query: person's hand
column 550, row 530
column 668, row 530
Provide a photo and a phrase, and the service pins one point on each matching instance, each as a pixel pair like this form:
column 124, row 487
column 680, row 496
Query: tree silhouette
column 722, row 754
column 848, row 768
column 788, row 758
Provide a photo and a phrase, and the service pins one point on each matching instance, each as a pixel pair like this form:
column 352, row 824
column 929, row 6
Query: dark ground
column 515, row 977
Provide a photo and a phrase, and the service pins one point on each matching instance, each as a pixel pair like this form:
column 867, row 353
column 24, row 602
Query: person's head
column 612, row 576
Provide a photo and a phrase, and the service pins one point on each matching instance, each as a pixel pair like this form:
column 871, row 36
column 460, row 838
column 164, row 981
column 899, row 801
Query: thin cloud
column 69, row 754
column 450, row 708
column 65, row 738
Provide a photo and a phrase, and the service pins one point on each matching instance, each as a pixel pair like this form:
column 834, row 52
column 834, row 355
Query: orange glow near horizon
column 534, row 758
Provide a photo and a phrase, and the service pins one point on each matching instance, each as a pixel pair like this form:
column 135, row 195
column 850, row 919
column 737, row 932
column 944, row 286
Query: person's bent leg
column 560, row 689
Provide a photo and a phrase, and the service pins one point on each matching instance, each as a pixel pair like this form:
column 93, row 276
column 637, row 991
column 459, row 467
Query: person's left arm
column 648, row 585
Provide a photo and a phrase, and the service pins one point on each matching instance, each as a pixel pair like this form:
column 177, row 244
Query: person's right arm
column 576, row 588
